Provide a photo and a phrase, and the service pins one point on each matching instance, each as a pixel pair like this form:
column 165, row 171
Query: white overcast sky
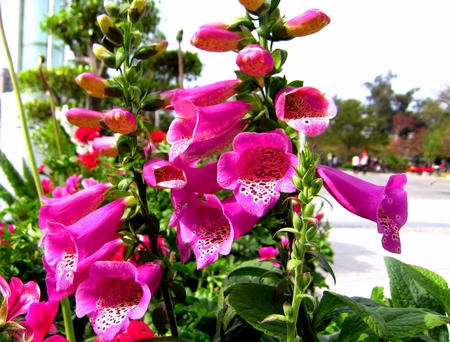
column 365, row 38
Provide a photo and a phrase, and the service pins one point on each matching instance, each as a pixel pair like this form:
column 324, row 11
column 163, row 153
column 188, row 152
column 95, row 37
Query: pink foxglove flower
column 70, row 209
column 114, row 293
column 305, row 109
column 120, row 121
column 307, row 23
column 200, row 124
column 106, row 146
column 254, row 60
column 85, row 118
column 385, row 205
column 211, row 227
column 17, row 297
column 207, row 95
column 260, row 167
column 160, row 173
column 202, row 180
column 211, row 38
column 67, row 247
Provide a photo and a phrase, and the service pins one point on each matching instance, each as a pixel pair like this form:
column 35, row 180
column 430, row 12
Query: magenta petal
column 112, row 295
column 240, row 219
column 18, row 296
column 40, row 318
column 70, row 209
column 160, row 173
column 385, row 205
column 260, row 168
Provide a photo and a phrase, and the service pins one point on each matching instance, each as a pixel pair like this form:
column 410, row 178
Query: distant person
column 364, row 162
column 330, row 157
column 355, row 164
column 437, row 165
column 376, row 164
column 335, row 161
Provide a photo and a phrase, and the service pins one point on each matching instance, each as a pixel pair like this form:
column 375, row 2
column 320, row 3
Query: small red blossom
column 158, row 136
column 41, row 169
column 85, row 135
column 47, row 185
column 89, row 160
column 137, row 330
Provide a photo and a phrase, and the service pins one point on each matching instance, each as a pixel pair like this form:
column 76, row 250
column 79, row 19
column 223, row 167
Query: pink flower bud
column 310, row 22
column 94, row 85
column 85, row 118
column 252, row 5
column 215, row 39
column 120, row 121
column 254, row 60
column 105, row 146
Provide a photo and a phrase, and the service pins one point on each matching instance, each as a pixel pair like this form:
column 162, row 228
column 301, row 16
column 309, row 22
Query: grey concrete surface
column 359, row 256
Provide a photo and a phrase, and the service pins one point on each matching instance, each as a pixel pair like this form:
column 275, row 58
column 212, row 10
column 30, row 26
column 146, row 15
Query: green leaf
column 255, row 268
column 323, row 262
column 432, row 292
column 254, row 302
column 13, row 176
column 331, row 301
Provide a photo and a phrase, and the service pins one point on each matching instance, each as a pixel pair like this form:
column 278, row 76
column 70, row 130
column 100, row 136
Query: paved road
column 428, row 203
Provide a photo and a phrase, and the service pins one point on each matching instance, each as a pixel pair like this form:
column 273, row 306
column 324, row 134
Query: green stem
column 67, row 315
column 169, row 309
column 26, row 133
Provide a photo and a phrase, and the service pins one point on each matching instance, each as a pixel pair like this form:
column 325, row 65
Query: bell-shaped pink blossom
column 210, row 38
column 201, row 180
column 85, row 118
column 385, row 205
column 120, row 120
column 260, row 167
column 70, row 209
column 17, row 297
column 254, row 60
column 207, row 95
column 114, row 293
column 106, row 146
column 305, row 109
column 307, row 23
column 210, row 227
column 160, row 173
column 199, row 124
column 67, row 247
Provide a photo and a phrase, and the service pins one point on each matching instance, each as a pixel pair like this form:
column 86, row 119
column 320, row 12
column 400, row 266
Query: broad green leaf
column 407, row 292
column 254, row 302
column 323, row 262
column 254, row 268
column 331, row 301
column 355, row 329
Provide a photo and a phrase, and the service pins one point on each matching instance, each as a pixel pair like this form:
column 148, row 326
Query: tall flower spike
column 305, row 109
column 385, row 205
column 260, row 167
column 116, row 292
column 213, row 39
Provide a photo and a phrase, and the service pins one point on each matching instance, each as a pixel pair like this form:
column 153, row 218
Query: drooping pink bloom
column 305, row 109
column 67, row 247
column 211, row 226
column 260, row 167
column 120, row 120
column 70, row 209
column 18, row 297
column 86, row 118
column 207, row 95
column 39, row 320
column 116, row 292
column 202, row 180
column 210, row 38
column 163, row 174
column 307, row 23
column 106, row 146
column 385, row 205
column 199, row 124
column 254, row 60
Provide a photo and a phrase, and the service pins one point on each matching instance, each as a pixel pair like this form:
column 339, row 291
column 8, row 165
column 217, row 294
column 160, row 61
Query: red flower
column 137, row 330
column 158, row 136
column 41, row 169
column 47, row 185
column 84, row 135
column 89, row 160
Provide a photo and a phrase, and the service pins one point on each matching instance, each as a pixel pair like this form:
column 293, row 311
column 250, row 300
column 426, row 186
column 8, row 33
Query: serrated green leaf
column 254, row 302
column 406, row 292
